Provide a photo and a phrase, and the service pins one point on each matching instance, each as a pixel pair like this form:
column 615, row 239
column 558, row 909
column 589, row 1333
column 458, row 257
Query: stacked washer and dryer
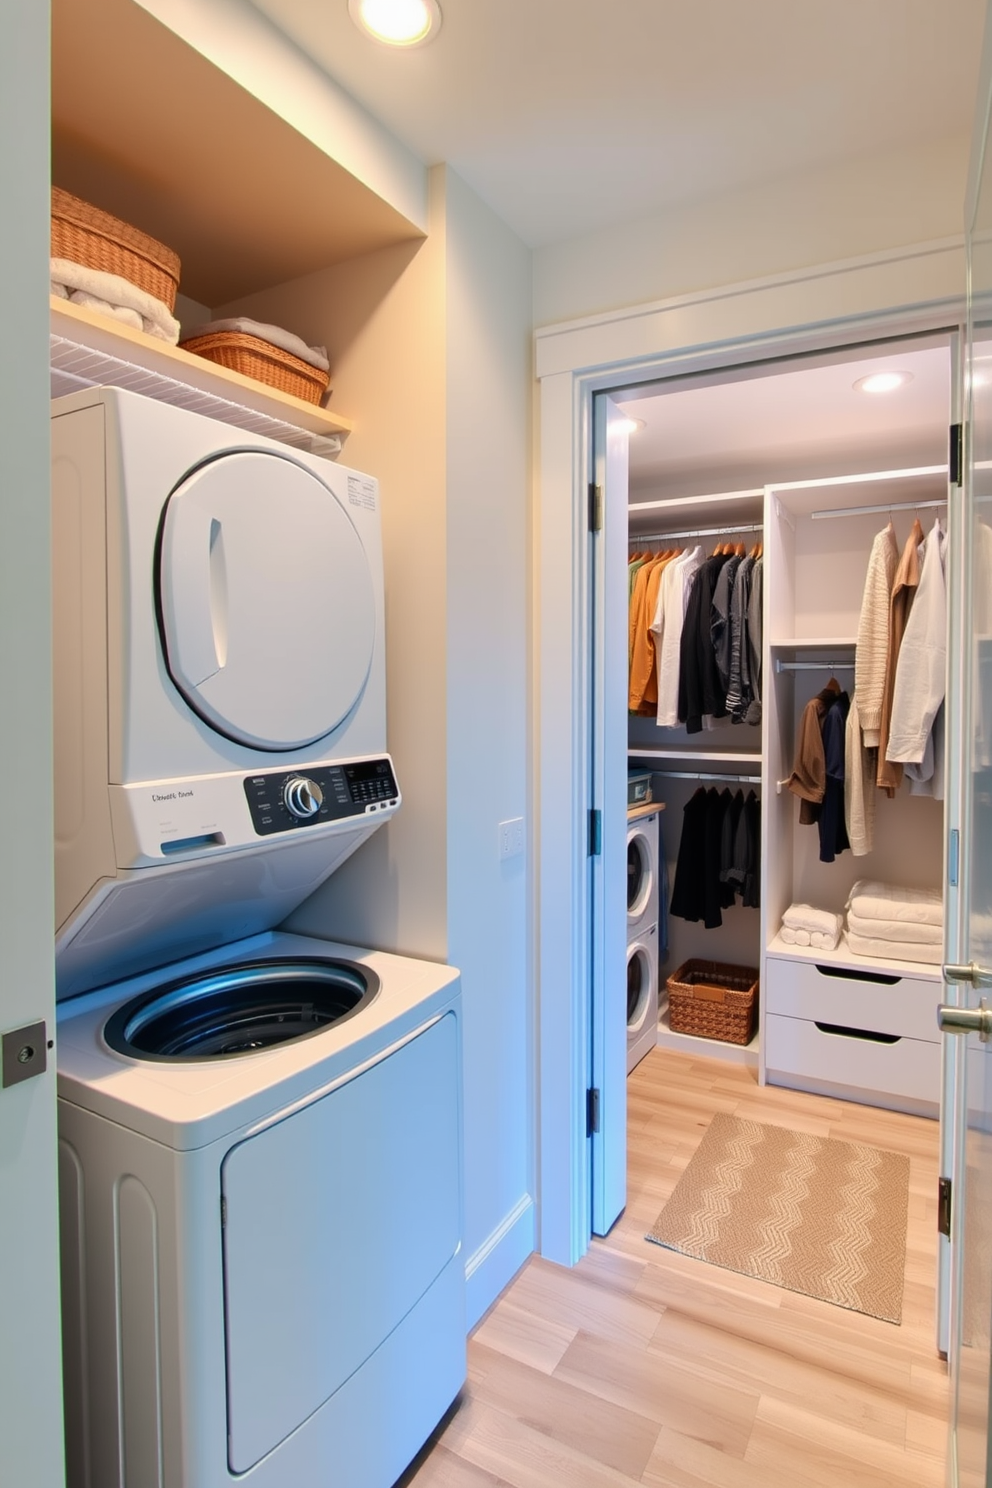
column 643, row 917
column 260, row 1133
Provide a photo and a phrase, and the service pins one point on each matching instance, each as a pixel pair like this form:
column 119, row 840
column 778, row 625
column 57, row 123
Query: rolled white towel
column 85, row 286
column 891, row 950
column 822, row 942
column 795, row 937
column 123, row 313
column 315, row 356
column 904, row 931
column 806, row 917
column 879, row 901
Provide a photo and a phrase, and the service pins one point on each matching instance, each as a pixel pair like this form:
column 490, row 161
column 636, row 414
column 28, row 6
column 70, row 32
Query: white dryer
column 642, row 994
column 259, row 1185
column 643, row 892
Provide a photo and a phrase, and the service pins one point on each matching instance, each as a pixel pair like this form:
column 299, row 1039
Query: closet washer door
column 266, row 602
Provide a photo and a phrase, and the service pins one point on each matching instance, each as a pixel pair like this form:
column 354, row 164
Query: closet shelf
column 700, row 756
column 87, row 349
column 844, row 956
column 813, row 643
column 688, row 1043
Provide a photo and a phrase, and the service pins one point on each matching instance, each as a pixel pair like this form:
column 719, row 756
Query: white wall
column 823, row 216
column 488, row 372
column 30, row 1363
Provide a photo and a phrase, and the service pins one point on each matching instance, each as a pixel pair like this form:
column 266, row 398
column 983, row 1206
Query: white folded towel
column 114, row 296
column 314, row 356
column 891, row 950
column 879, row 901
column 904, row 931
column 815, row 938
column 816, row 921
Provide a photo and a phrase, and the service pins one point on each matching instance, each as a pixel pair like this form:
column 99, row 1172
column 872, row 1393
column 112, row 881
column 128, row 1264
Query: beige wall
column 823, row 216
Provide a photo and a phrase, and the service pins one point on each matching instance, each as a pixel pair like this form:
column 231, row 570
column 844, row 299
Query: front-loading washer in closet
column 220, row 748
column 262, row 1271
column 642, row 994
column 643, row 874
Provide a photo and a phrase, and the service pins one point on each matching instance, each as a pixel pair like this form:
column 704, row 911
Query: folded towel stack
column 114, row 296
column 803, row 925
column 895, row 924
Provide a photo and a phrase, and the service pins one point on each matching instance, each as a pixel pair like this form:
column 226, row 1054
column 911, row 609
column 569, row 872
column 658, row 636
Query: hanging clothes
column 809, row 773
column 721, row 635
column 860, row 769
column 919, row 684
column 669, row 618
column 719, row 856
column 833, row 834
column 872, row 650
column 643, row 681
column 755, row 612
column 700, row 693
column 739, row 696
column 904, row 588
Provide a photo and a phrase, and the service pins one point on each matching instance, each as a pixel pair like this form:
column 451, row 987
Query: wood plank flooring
column 642, row 1366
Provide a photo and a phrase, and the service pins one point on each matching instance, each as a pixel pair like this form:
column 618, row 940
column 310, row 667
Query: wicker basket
column 263, row 361
column 711, row 1000
column 86, row 235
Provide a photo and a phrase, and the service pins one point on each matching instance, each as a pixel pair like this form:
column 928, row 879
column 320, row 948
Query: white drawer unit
column 866, row 1036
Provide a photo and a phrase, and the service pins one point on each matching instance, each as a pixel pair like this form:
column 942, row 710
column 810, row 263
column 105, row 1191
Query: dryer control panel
column 312, row 795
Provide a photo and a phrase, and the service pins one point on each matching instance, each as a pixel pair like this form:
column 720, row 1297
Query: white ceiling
column 799, row 424
column 567, row 115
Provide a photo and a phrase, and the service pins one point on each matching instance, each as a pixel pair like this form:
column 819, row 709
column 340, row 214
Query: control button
column 303, row 797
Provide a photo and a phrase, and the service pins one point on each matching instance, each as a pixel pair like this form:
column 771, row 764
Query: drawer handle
column 839, row 1031
column 859, row 976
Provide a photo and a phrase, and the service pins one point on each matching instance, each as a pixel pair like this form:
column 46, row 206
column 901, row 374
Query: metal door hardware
column 24, row 1054
column 978, row 976
column 966, row 1020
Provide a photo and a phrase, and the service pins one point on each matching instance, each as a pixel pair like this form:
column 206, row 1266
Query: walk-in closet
column 804, row 479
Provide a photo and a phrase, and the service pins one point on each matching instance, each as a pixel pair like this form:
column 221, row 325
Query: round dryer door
column 266, row 602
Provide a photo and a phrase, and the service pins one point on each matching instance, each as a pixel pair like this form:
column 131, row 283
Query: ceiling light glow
column 632, row 425
column 882, row 382
column 400, row 23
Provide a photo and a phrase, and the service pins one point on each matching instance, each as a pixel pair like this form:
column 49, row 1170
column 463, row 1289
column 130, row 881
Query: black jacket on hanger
column 700, row 691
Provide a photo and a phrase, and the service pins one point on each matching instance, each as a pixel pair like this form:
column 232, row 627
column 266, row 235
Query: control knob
column 303, row 797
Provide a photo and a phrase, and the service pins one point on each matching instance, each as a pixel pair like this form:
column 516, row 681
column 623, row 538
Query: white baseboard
column 497, row 1260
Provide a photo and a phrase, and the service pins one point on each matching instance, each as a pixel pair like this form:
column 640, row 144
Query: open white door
column 968, row 982
column 608, row 820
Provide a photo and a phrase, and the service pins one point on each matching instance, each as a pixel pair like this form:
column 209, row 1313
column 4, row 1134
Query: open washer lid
column 266, row 602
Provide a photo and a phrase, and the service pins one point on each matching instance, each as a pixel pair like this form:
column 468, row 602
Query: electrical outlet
column 511, row 837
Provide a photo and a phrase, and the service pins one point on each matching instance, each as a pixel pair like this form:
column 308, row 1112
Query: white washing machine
column 259, row 1185
column 262, row 1269
column 643, row 893
column 642, row 994
column 219, row 661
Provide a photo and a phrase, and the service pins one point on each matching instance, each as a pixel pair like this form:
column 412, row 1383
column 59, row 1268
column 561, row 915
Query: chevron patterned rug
column 811, row 1214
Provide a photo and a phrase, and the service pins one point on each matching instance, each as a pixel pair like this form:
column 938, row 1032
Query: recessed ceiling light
column 399, row 23
column 632, row 425
column 882, row 382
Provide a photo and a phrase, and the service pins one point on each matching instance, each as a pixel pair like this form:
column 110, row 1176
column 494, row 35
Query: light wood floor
column 642, row 1366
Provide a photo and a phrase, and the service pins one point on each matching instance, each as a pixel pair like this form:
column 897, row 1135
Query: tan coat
column 904, row 588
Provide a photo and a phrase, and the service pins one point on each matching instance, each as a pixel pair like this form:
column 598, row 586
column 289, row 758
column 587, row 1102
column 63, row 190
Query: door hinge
column 223, row 1212
column 595, row 833
column 953, row 857
column 595, row 508
column 955, row 455
column 592, row 1111
column 944, row 1207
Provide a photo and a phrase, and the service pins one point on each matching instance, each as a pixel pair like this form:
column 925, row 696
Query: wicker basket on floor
column 89, row 236
column 711, row 1000
column 261, row 360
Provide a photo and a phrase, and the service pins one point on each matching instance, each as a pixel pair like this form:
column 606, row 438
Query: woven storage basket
column 259, row 359
column 86, row 235
column 711, row 1000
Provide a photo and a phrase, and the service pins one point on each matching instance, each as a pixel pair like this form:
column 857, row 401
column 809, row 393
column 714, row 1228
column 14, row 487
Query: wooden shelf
column 146, row 127
column 851, row 961
column 89, row 348
column 646, row 809
column 701, row 756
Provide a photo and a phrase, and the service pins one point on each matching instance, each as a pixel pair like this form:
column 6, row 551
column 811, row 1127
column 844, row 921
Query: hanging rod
column 639, row 537
column 707, row 775
column 813, row 666
column 867, row 511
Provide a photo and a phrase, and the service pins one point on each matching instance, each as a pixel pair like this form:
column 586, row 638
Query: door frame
column 893, row 295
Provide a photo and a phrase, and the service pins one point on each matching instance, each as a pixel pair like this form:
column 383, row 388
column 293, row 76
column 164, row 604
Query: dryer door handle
column 193, row 578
